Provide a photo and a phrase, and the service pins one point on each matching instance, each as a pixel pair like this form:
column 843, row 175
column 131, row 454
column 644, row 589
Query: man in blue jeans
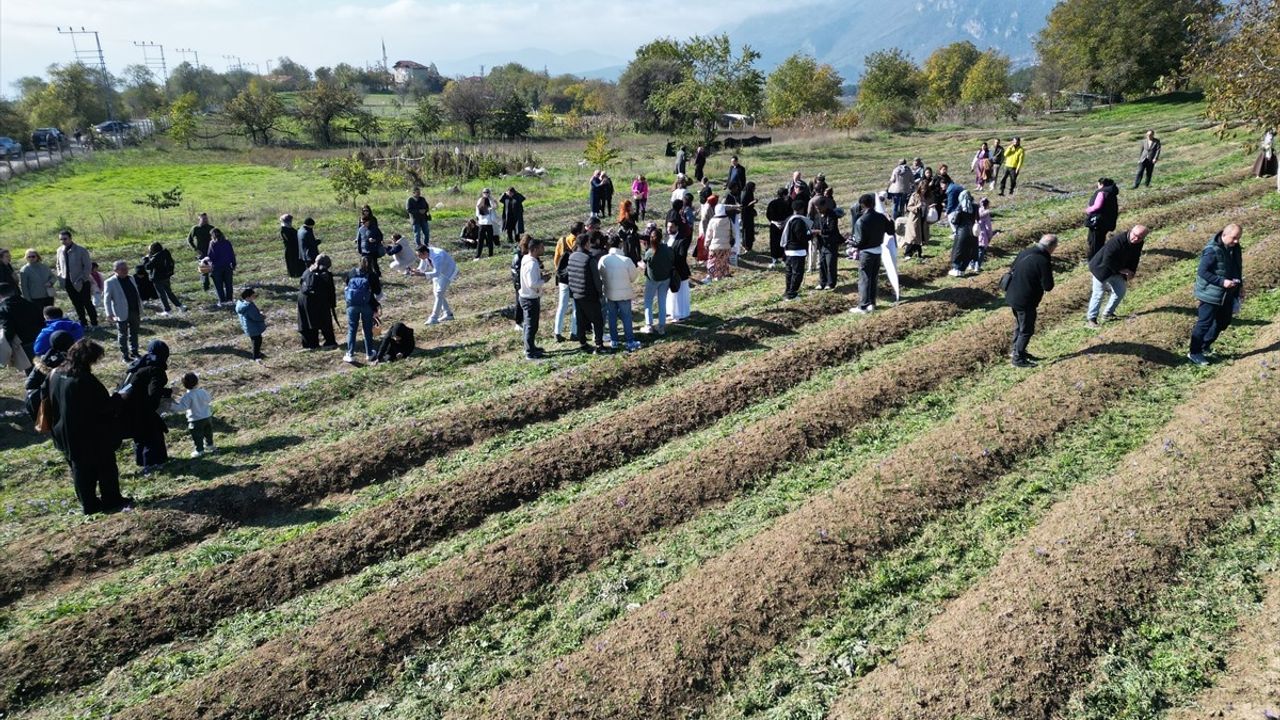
column 362, row 289
column 617, row 273
column 1219, row 282
column 420, row 215
column 1113, row 267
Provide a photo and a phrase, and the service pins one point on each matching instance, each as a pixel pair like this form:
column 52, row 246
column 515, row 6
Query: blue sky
column 326, row 32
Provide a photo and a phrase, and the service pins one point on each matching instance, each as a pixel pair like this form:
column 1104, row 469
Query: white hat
column 720, row 211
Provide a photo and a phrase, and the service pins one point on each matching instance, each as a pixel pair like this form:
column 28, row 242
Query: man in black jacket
column 420, row 216
column 1113, row 267
column 198, row 239
column 795, row 246
column 829, row 243
column 868, row 238
column 1030, row 277
column 20, row 318
column 586, row 287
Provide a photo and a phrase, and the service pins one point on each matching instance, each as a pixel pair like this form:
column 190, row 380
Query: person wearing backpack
column 317, row 303
column 362, row 286
column 1028, row 279
column 964, row 248
column 564, row 296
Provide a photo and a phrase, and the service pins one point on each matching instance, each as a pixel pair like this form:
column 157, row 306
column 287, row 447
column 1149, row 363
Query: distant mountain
column 586, row 63
column 843, row 32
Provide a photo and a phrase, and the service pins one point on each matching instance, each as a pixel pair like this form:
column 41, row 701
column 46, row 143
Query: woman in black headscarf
column 145, row 387
column 38, row 380
column 84, row 423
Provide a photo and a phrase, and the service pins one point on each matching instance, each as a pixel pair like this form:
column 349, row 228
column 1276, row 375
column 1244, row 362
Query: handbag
column 931, row 216
column 700, row 252
column 44, row 424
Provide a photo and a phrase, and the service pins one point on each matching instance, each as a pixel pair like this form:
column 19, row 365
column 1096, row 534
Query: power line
column 237, row 65
column 94, row 58
column 151, row 60
column 184, row 52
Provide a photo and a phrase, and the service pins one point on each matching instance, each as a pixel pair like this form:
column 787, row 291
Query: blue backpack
column 358, row 291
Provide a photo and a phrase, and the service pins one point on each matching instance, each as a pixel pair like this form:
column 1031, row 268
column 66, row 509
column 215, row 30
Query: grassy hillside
column 778, row 510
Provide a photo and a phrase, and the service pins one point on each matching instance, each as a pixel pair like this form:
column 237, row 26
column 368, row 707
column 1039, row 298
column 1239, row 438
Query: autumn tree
column 891, row 88
column 656, row 65
column 987, row 80
column 468, row 101
column 182, row 118
column 945, row 72
column 799, row 86
column 324, row 103
column 257, row 110
column 1239, row 63
column 427, row 116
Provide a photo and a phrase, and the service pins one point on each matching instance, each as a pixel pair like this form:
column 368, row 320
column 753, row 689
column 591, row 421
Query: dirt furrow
column 678, row 650
column 460, row 590
column 1019, row 642
column 375, row 454
column 1249, row 687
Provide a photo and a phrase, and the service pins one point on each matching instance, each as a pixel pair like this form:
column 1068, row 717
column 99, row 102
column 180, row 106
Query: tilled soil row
column 364, row 639
column 379, row 453
column 678, row 650
column 1249, row 687
column 1020, row 641
column 54, row 658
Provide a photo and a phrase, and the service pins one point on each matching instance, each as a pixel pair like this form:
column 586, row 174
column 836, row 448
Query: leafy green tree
column 945, row 71
column 324, row 103
column 427, row 117
column 211, row 88
column 599, row 153
column 891, row 88
column 643, row 76
column 511, row 119
column 800, row 86
column 350, row 180
column 1121, row 47
column 161, row 201
column 142, row 96
column 468, row 101
column 290, row 75
column 715, row 82
column 75, row 96
column 1240, row 62
column 257, row 110
column 987, row 81
column 365, row 124
column 13, row 122
column 182, row 118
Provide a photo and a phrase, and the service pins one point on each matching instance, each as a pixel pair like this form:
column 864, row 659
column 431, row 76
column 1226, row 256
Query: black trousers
column 256, row 341
column 1024, row 326
column 868, row 278
column 1010, row 176
column 531, row 309
column 486, row 238
column 1146, row 167
column 1094, row 242
column 795, row 275
column 82, row 301
column 827, row 259
column 964, row 248
column 1210, row 322
column 165, row 290
column 94, row 476
column 589, row 315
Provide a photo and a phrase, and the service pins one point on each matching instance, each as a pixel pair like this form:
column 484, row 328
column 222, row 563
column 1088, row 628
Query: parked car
column 47, row 137
column 113, row 127
column 10, row 147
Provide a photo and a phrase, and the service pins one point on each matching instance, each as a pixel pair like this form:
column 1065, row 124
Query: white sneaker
column 196, row 453
column 646, row 330
column 348, row 358
column 862, row 310
column 163, row 313
column 954, row 272
column 446, row 318
column 432, row 320
column 210, row 449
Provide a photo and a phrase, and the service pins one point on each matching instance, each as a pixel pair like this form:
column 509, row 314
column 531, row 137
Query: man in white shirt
column 530, row 294
column 617, row 273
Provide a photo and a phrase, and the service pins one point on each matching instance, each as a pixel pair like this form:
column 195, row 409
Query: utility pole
column 184, row 52
column 237, row 65
column 91, row 58
column 257, row 69
column 153, row 61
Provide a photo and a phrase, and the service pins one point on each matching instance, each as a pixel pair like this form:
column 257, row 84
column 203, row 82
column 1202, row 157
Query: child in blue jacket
column 252, row 320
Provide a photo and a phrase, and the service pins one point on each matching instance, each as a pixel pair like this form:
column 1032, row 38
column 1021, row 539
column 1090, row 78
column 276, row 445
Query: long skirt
column 678, row 302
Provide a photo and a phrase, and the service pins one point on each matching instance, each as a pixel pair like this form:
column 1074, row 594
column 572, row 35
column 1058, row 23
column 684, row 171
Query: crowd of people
column 595, row 270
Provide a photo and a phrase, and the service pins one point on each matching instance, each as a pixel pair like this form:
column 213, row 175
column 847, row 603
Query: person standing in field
column 363, row 286
column 487, row 219
column 582, row 277
column 737, row 174
column 512, row 214
column 160, row 268
column 1148, row 156
column 964, row 248
column 293, row 263
column 8, row 276
column 1219, row 288
column 900, row 186
column 369, row 239
column 640, row 196
column 199, row 238
column 869, row 232
column 776, row 213
column 317, row 305
column 997, row 161
column 74, row 267
column 981, row 166
column 682, row 161
column 1102, row 215
column 679, row 239
column 86, row 429
column 606, row 195
column 198, row 407
column 531, row 289
column 565, row 300
column 1014, row 157
column 658, row 266
column 629, row 231
column 917, row 221
column 593, row 194
column 252, row 321
column 719, row 239
column 145, row 387
column 985, row 232
column 1266, row 164
column 419, row 216
column 222, row 259
column 308, row 243
column 747, row 218
column 795, row 247
column 124, row 308
column 1113, row 267
column 436, row 263
column 36, row 280
column 1028, row 279
column 617, row 273
column 830, row 243
column 699, row 163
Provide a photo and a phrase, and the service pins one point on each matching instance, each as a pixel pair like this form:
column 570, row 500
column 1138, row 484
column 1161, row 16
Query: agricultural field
column 779, row 510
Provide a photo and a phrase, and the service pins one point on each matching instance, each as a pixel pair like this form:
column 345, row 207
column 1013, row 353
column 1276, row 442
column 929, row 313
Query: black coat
column 869, row 230
column 310, row 245
column 1105, row 219
column 21, row 317
column 1032, row 278
column 292, row 261
column 317, row 298
column 584, row 275
column 512, row 211
column 1116, row 255
column 159, row 267
column 84, row 418
column 141, row 393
